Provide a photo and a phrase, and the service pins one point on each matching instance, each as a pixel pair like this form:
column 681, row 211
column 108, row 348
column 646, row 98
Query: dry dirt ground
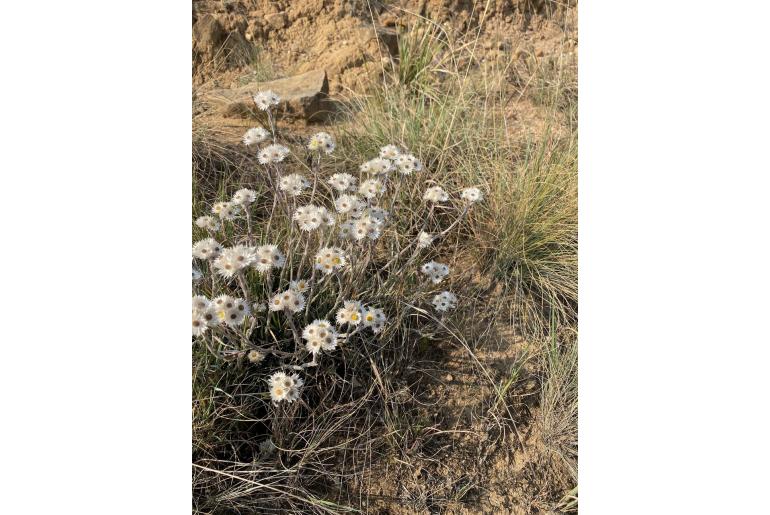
column 470, row 454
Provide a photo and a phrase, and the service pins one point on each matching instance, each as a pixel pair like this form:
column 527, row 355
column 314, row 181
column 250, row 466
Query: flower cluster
column 435, row 194
column 435, row 271
column 268, row 257
column 293, row 184
column 444, row 301
column 255, row 135
column 266, row 99
column 471, row 194
column 274, row 153
column 289, row 300
column 321, row 141
column 320, row 335
column 285, row 387
column 311, row 217
column 208, row 248
column 208, row 222
column 329, row 259
column 342, row 182
column 244, row 196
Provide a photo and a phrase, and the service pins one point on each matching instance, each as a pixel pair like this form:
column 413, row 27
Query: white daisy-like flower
column 321, row 141
column 312, row 330
column 266, row 99
column 217, row 207
column 308, row 217
column 367, row 227
column 300, row 285
column 199, row 325
column 254, row 356
column 435, row 194
column 208, row 222
column 377, row 166
column 471, row 194
column 226, row 264
column 200, row 303
column 255, row 135
column 229, row 211
column 244, row 197
column 371, row 188
column 223, row 302
column 196, row 274
column 435, row 271
column 407, row 164
column 207, row 248
column 233, row 317
column 389, row 152
column 293, row 184
column 274, row 153
column 350, row 313
column 284, row 387
column 345, row 203
column 259, row 307
column 374, row 318
column 424, row 240
column 359, row 209
column 268, row 257
column 329, row 259
column 444, row 301
column 342, row 182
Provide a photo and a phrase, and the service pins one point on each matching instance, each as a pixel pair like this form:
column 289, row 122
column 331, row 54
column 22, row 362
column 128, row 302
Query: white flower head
column 371, row 188
column 266, row 99
column 350, row 313
column 342, row 182
column 274, row 153
column 203, row 315
column 389, row 152
column 233, row 311
column 255, row 135
column 444, row 301
column 244, row 197
column 471, row 194
column 284, row 387
column 208, row 222
column 199, row 325
column 208, row 248
column 321, row 141
column 435, row 194
column 407, row 164
column 300, row 285
column 375, row 319
column 359, row 209
column 268, row 257
column 329, row 259
column 259, row 307
column 196, row 274
column 366, row 227
column 424, row 240
column 347, row 229
column 254, row 356
column 293, row 184
column 345, row 203
column 326, row 217
column 435, row 271
column 377, row 166
column 217, row 207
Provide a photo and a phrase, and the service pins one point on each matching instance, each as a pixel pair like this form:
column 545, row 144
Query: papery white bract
column 329, row 259
column 435, row 271
column 345, row 203
column 284, row 387
column 377, row 166
column 300, row 285
column 308, row 217
column 268, row 257
column 350, row 313
column 407, row 164
column 289, row 300
column 371, row 188
column 424, row 240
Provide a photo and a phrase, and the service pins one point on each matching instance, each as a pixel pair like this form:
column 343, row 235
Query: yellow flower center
column 354, row 316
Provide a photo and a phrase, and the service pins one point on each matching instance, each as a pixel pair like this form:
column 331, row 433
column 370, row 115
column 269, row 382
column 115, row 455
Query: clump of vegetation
column 345, row 280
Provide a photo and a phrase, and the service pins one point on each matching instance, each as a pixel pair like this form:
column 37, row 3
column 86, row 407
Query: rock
column 389, row 38
column 208, row 36
column 276, row 20
column 302, row 96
